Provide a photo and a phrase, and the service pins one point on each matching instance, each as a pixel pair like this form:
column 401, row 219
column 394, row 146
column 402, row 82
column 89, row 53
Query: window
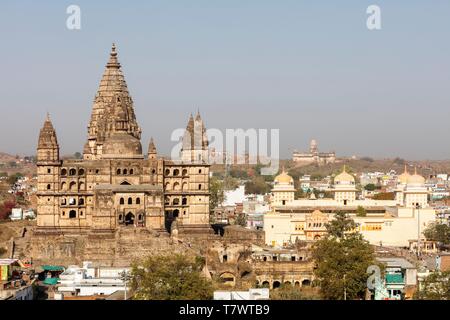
column 118, row 171
column 63, row 172
column 130, row 201
column 184, row 201
column 176, row 172
column 125, row 171
column 131, row 171
column 184, row 172
column 81, row 213
column 49, row 187
column 200, row 171
column 81, row 201
column 138, row 200
column 49, row 170
column 97, row 171
column 176, row 202
column 72, row 172
column 122, row 201
column 81, row 172
column 63, row 201
column 167, row 172
column 199, row 187
column 72, row 214
column 153, row 171
column 72, row 201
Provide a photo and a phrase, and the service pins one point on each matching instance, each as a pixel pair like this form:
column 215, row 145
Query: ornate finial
column 48, row 116
column 113, row 49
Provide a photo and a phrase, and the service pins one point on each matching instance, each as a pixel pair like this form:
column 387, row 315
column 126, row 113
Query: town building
column 313, row 156
column 382, row 222
column 115, row 184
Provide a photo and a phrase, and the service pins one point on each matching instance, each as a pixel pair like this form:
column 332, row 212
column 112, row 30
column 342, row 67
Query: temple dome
column 344, row 178
column 404, row 177
column 122, row 145
column 284, row 178
column 416, row 179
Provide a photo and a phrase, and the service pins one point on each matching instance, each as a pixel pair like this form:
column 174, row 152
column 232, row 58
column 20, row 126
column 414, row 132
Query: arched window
column 199, row 170
column 63, row 172
column 138, row 200
column 184, row 201
column 63, row 186
column 72, row 172
column 118, row 171
column 72, row 186
column 167, row 186
column 185, row 186
column 130, row 201
column 184, row 172
column 176, row 201
column 63, row 201
column 81, row 186
column 153, row 171
column 167, row 172
column 199, row 187
column 81, row 201
column 140, row 217
column 176, row 172
column 176, row 186
column 125, row 171
column 131, row 171
column 72, row 214
column 81, row 172
column 49, row 187
column 122, row 201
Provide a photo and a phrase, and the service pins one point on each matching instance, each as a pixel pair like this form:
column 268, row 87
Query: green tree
column 77, row 155
column 438, row 232
column 217, row 193
column 436, row 286
column 370, row 187
column 241, row 219
column 342, row 259
column 13, row 178
column 289, row 292
column 257, row 186
column 170, row 277
column 360, row 211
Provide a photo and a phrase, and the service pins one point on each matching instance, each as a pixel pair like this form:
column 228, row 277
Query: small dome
column 344, row 178
column 122, row 145
column 404, row 177
column 284, row 178
column 416, row 179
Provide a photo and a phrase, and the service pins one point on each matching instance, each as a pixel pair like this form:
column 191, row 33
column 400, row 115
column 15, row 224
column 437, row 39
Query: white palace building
column 386, row 222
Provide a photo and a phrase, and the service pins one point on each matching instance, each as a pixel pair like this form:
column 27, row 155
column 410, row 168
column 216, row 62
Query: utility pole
column 345, row 289
column 418, row 230
column 125, row 276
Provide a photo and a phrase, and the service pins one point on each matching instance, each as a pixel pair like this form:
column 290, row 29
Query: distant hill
column 5, row 157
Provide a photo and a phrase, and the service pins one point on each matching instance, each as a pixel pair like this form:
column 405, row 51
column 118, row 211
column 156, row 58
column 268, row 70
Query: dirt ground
column 9, row 229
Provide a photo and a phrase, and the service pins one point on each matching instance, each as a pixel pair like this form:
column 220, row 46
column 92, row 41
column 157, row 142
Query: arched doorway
column 265, row 284
column 276, row 284
column 306, row 283
column 129, row 219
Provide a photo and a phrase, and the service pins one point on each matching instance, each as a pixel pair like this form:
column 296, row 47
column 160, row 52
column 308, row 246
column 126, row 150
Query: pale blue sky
column 310, row 68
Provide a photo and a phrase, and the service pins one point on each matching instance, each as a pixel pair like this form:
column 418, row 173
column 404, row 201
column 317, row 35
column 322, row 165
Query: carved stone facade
column 115, row 185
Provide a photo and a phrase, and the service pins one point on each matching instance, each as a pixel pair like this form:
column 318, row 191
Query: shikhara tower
column 115, row 186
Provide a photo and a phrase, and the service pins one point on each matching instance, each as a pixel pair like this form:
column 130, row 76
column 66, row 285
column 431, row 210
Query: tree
column 438, row 232
column 77, row 155
column 257, row 186
column 6, row 208
column 217, row 193
column 241, row 220
column 12, row 179
column 342, row 259
column 360, row 211
column 370, row 187
column 170, row 277
column 436, row 286
column 289, row 292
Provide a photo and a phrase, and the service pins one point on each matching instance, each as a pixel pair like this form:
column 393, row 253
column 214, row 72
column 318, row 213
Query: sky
column 311, row 69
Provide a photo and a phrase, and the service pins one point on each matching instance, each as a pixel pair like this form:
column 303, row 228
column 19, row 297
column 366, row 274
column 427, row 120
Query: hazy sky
column 310, row 68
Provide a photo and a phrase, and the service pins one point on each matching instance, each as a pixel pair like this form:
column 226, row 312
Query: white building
column 89, row 281
column 386, row 222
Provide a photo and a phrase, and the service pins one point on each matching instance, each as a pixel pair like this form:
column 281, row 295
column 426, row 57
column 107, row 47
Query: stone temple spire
column 195, row 141
column 151, row 149
column 112, row 110
column 48, row 147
